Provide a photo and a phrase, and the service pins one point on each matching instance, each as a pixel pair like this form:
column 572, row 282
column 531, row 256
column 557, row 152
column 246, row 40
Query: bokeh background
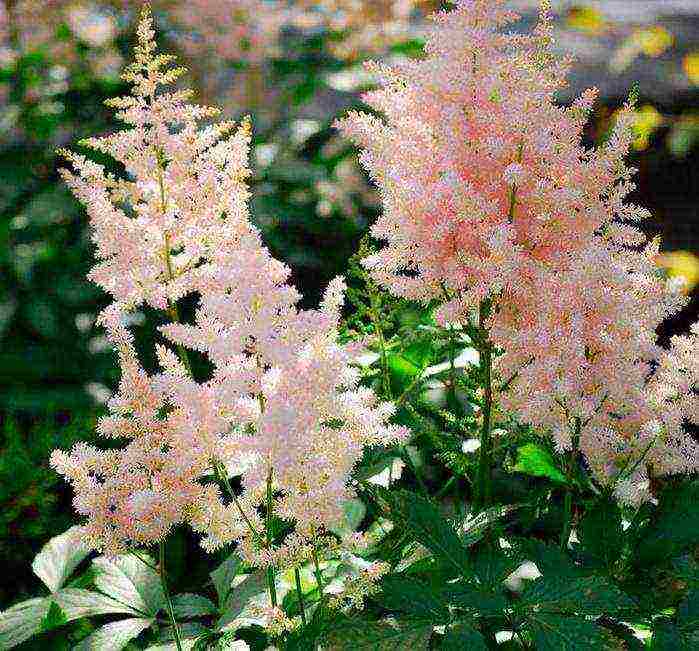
column 294, row 67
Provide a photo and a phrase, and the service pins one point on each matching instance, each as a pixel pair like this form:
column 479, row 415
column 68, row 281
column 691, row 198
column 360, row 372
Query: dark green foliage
column 34, row 502
column 462, row 636
column 601, row 533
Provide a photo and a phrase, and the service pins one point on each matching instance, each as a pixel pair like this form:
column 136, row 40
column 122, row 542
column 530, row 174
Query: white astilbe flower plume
column 282, row 408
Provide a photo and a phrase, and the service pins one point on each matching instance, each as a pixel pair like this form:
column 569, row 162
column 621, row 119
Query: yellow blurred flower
column 681, row 264
column 653, row 41
column 586, row 19
column 691, row 67
column 648, row 120
column 650, row 41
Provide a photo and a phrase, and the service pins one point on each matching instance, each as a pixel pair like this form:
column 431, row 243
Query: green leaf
column 550, row 559
column 474, row 527
column 20, row 622
column 76, row 603
column 59, row 557
column 555, row 633
column 601, row 534
column 55, row 617
column 414, row 597
column 492, row 564
column 674, row 526
column 354, row 511
column 587, row 595
column 537, row 461
column 425, row 524
column 223, row 576
column 475, row 599
column 188, row 605
column 131, row 582
column 114, row 636
column 462, row 636
column 667, row 637
column 402, row 371
column 688, row 611
column 247, row 591
column 386, row 635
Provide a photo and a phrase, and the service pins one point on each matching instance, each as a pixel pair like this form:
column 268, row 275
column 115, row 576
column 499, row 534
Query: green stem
column 385, row 377
column 168, row 601
column 386, row 385
column 445, row 489
column 222, row 478
column 299, row 592
column 485, row 460
column 452, row 367
column 568, row 498
column 270, row 570
column 318, row 574
column 513, row 190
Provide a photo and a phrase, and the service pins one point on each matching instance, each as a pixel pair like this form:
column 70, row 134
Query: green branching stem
column 485, row 461
column 299, row 592
column 570, row 476
column 270, row 570
column 513, row 189
column 166, row 592
column 374, row 313
column 452, row 364
column 318, row 573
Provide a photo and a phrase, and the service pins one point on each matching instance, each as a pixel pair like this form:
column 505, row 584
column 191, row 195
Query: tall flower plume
column 493, row 206
column 282, row 408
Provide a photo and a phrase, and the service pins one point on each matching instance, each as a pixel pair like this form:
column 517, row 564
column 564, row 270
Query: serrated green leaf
column 426, row 525
column 588, row 595
column 537, row 461
column 59, row 557
column 414, row 597
column 20, row 622
column 674, row 525
column 550, row 559
column 463, row 636
column 474, row 527
column 601, row 534
column 187, row 606
column 114, row 636
column 475, row 599
column 492, row 564
column 131, row 582
column 386, row 635
column 223, row 576
column 556, row 633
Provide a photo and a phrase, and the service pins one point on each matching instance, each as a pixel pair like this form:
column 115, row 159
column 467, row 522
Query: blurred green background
column 293, row 66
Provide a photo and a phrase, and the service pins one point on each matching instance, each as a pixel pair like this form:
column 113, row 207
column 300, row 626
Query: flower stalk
column 570, row 476
column 485, row 461
column 166, row 592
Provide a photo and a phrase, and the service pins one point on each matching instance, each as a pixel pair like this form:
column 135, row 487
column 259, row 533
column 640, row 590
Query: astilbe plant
column 282, row 402
column 508, row 306
column 494, row 209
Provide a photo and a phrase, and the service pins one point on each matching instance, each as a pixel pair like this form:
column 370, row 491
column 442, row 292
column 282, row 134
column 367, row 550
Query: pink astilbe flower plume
column 282, row 408
column 493, row 206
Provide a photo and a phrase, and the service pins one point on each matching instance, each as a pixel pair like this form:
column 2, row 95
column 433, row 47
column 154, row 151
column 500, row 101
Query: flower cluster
column 282, row 408
column 493, row 206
